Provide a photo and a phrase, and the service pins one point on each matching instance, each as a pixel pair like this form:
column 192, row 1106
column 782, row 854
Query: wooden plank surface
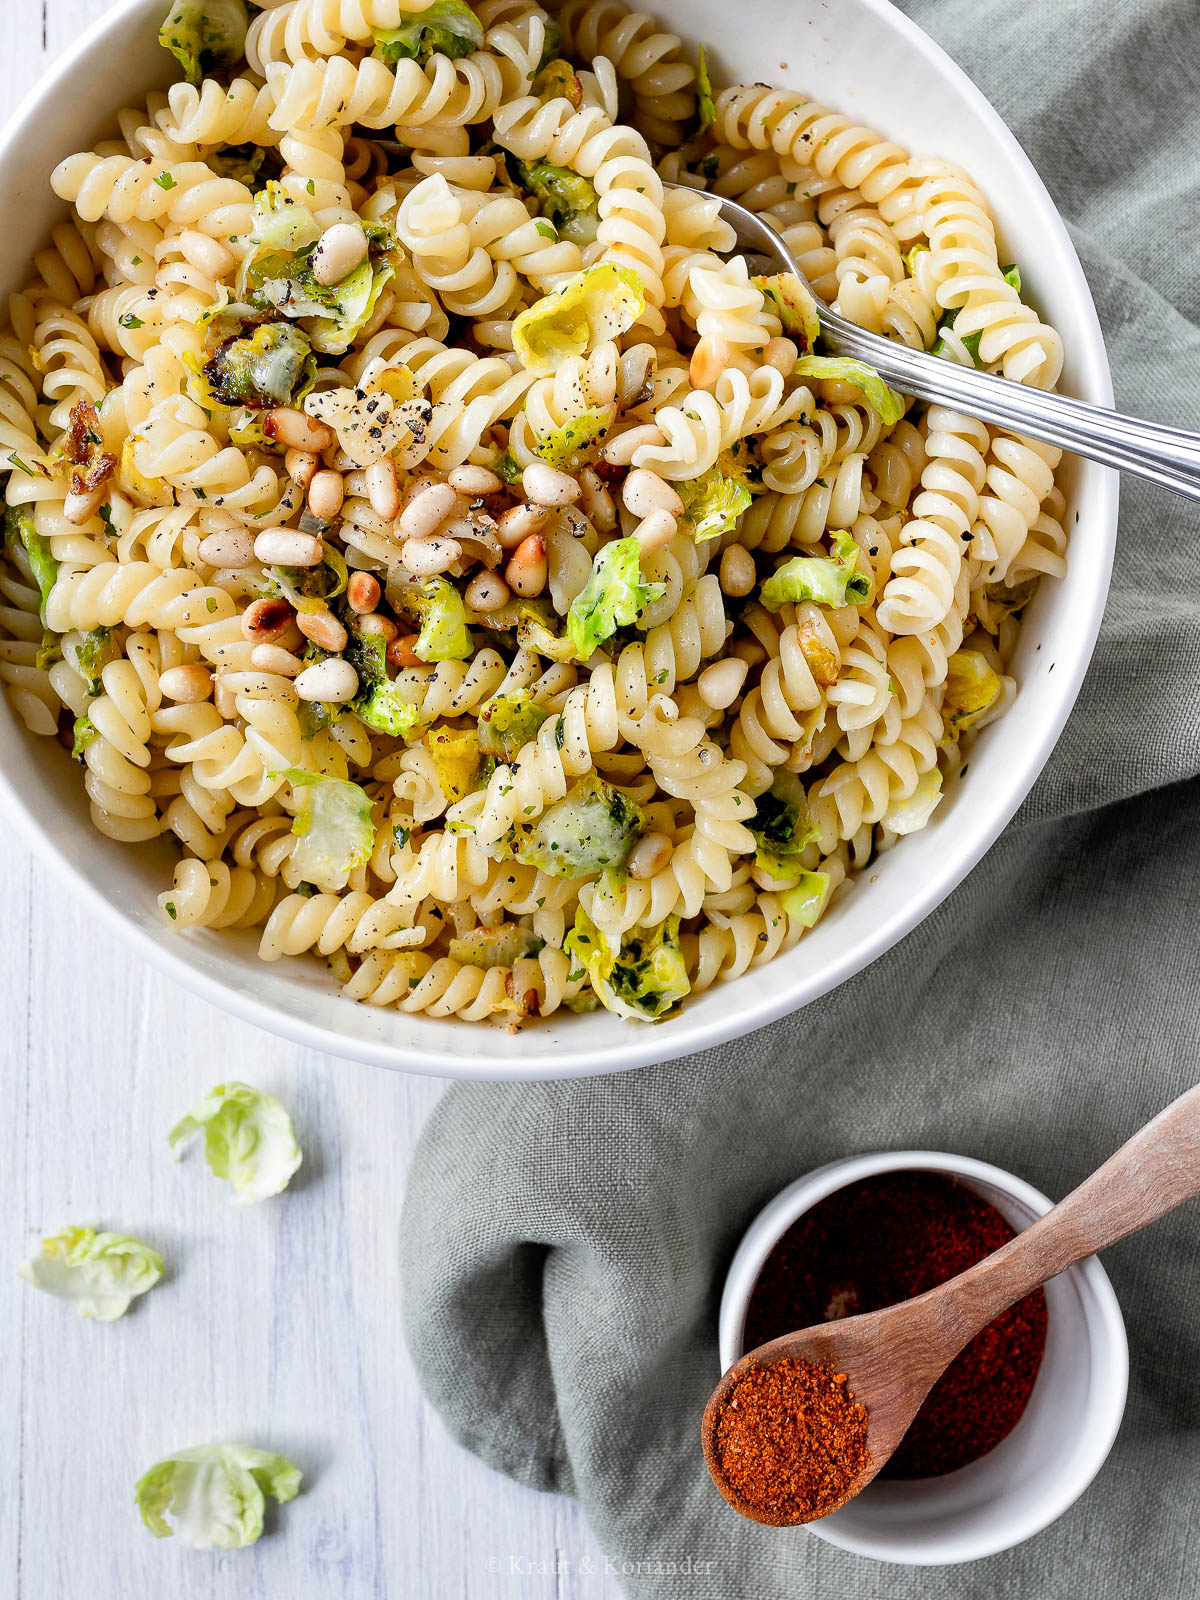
column 278, row 1326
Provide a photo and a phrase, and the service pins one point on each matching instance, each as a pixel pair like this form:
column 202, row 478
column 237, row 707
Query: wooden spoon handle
column 1155, row 1171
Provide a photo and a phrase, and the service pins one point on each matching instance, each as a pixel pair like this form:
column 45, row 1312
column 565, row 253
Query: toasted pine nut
column 363, row 592
column 382, row 489
column 402, row 652
column 323, row 628
column 333, row 680
column 655, row 530
column 426, row 511
column 709, row 360
column 186, row 685
column 782, row 354
column 487, row 591
column 206, row 254
column 748, row 650
column 229, row 547
column 339, row 250
column 687, row 698
column 325, row 494
column 527, row 571
column 274, row 658
column 301, row 466
column 337, row 459
column 547, row 486
column 597, row 501
column 266, row 621
column 354, row 484
column 518, row 523
column 738, row 573
column 79, row 508
column 426, row 557
column 285, row 547
column 649, row 856
column 474, row 480
column 644, row 492
column 376, row 623
column 720, row 684
column 416, row 487
column 295, row 431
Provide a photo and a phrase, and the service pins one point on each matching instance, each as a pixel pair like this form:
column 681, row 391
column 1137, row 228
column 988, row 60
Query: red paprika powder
column 885, row 1240
column 791, row 1440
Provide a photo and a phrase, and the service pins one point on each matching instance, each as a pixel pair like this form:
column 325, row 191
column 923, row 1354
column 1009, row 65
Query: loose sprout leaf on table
column 215, row 1493
column 248, row 1139
column 99, row 1273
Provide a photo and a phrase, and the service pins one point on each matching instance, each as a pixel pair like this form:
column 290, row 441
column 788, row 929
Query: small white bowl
column 1056, row 1449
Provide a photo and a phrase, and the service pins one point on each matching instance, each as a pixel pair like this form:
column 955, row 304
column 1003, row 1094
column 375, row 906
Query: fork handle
column 1169, row 457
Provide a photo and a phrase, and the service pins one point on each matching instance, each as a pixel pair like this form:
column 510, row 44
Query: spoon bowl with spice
column 802, row 1424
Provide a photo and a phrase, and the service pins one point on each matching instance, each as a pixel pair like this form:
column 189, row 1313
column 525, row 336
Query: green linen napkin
column 564, row 1244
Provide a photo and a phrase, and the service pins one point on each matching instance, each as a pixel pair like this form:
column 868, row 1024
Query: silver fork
column 1169, row 457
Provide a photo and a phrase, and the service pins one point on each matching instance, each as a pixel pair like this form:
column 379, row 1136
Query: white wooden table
column 277, row 1326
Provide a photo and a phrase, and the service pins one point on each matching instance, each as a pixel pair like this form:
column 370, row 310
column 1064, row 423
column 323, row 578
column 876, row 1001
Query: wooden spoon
column 893, row 1357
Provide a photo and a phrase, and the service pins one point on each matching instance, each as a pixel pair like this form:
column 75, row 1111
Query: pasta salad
column 418, row 509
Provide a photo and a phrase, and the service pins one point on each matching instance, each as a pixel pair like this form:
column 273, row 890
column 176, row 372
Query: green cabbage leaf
column 601, row 302
column 793, row 303
column 99, row 1273
column 446, row 28
column 712, row 503
column 570, row 447
column 248, row 1140
column 805, row 900
column 833, row 580
column 204, row 35
column 215, row 1493
column 507, row 723
column 704, row 94
column 19, row 530
column 613, row 597
column 840, row 369
column 591, row 829
column 334, row 831
column 643, row 979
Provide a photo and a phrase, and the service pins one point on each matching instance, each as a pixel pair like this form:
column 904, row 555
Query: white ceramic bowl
column 1052, row 1454
column 865, row 58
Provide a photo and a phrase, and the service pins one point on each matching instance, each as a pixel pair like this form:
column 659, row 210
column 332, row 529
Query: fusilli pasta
column 414, row 511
